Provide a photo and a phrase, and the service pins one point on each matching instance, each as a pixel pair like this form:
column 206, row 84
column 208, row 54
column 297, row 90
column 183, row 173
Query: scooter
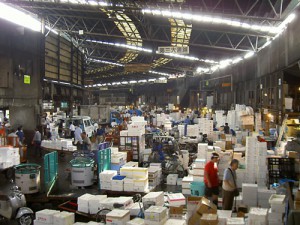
column 13, row 207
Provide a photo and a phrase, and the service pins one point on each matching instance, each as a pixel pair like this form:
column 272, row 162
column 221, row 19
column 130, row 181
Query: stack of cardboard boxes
column 204, row 207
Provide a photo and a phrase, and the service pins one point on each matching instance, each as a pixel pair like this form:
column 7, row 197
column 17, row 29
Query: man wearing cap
column 211, row 178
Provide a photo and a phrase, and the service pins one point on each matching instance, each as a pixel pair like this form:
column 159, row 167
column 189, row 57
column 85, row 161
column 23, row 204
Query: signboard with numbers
column 173, row 49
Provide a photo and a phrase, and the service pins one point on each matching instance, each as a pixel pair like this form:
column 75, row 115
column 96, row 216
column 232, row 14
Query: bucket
column 27, row 178
column 82, row 173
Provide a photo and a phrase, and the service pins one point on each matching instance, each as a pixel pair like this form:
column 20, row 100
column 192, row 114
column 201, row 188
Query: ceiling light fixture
column 218, row 20
column 131, row 47
column 105, row 62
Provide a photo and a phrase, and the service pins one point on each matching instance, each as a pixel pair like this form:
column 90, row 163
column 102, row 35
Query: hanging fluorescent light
column 207, row 19
column 236, row 60
column 248, row 55
column 182, row 56
column 105, row 62
column 133, row 82
column 18, row 17
column 131, row 47
column 160, row 73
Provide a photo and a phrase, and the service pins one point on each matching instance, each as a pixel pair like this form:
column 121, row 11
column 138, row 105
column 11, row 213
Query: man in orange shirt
column 211, row 178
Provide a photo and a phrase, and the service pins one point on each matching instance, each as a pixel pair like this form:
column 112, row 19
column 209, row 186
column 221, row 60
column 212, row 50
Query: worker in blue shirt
column 187, row 120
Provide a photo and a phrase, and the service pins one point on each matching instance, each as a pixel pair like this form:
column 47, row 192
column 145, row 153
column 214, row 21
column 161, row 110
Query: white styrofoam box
column 278, row 208
column 119, row 158
column 172, row 179
column 131, row 164
column 176, row 199
column 200, row 163
column 235, row 221
column 106, row 185
column 134, row 209
column 79, row 223
column 45, row 216
column 128, row 187
column 220, row 144
column 223, row 215
column 141, row 183
column 155, row 197
column 198, row 171
column 179, row 182
column 258, row 214
column 186, row 181
column 117, row 185
column 35, row 222
column 95, row 203
column 198, row 178
column 150, row 222
column 175, row 222
column 134, row 172
column 107, row 175
column 136, row 221
column 94, row 223
column 118, row 217
column 277, row 199
column 275, row 217
column 186, row 191
column 64, row 218
column 124, row 201
column 155, row 213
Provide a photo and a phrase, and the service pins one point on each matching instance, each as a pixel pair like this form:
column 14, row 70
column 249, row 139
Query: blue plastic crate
column 197, row 188
column 118, row 177
column 116, row 167
column 103, row 145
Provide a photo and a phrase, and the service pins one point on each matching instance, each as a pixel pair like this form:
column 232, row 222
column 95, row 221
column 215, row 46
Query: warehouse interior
column 126, row 112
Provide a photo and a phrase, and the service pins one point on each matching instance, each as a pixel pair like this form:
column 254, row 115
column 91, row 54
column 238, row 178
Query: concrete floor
column 63, row 190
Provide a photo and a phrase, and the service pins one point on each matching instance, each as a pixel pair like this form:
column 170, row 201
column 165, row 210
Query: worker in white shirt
column 77, row 137
column 72, row 129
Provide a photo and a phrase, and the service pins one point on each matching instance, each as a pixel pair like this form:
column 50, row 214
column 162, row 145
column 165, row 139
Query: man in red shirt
column 211, row 178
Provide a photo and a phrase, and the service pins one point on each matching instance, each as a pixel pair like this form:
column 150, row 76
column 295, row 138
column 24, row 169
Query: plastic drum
column 27, row 178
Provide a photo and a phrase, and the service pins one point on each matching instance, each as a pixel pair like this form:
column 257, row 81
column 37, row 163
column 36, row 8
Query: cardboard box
column 156, row 213
column 192, row 202
column 206, row 207
column 194, row 219
column 209, row 219
column 176, row 212
column 293, row 154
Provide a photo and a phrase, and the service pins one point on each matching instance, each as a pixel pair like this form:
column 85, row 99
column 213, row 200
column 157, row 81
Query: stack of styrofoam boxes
column 135, row 209
column 205, row 126
column 263, row 196
column 192, row 131
column 186, row 185
column 158, row 167
column 106, row 178
column 202, row 150
column 262, row 167
column 240, row 176
column 146, row 154
column 198, row 170
column 231, row 118
column 181, row 130
column 220, row 118
column 67, row 144
column 258, row 216
column 225, row 159
column 250, row 192
column 175, row 222
column 172, row 179
column 131, row 164
column 88, row 223
column 118, row 216
column 136, row 179
column 154, row 198
column 156, row 215
column 176, row 199
column 137, row 126
column 276, row 213
column 118, row 159
column 9, row 157
column 251, row 160
column 154, row 176
column 83, row 203
column 167, row 125
column 46, row 217
column 223, row 215
column 94, row 203
column 235, row 221
column 221, row 144
column 136, row 221
column 258, row 124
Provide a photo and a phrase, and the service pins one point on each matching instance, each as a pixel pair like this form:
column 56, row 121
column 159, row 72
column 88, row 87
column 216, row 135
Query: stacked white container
column 277, row 211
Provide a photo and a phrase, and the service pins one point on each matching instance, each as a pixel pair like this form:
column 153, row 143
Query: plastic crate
column 118, row 177
column 116, row 167
column 197, row 188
